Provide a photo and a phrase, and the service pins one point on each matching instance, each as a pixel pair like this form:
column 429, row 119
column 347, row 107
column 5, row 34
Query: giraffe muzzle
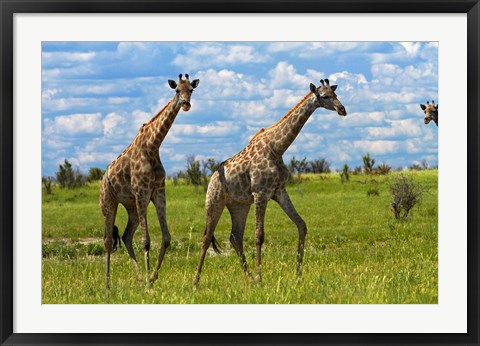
column 341, row 111
column 186, row 105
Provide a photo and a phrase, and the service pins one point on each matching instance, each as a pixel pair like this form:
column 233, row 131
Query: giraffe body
column 136, row 178
column 257, row 174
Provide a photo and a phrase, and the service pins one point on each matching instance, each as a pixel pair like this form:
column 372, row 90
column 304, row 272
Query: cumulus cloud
column 77, row 123
column 208, row 54
column 285, row 75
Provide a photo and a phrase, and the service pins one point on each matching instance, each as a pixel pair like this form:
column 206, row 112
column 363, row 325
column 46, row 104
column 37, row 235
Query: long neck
column 157, row 128
column 284, row 132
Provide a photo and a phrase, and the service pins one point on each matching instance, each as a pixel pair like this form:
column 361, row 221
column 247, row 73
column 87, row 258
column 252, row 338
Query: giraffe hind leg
column 127, row 238
column 215, row 203
column 239, row 213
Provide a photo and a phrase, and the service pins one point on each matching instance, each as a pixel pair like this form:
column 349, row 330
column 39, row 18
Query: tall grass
column 356, row 251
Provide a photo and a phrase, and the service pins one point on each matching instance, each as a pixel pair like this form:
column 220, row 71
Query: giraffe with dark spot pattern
column 431, row 112
column 137, row 177
column 257, row 174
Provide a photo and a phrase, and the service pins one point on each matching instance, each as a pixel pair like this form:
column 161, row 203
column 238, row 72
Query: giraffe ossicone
column 257, row 174
column 137, row 177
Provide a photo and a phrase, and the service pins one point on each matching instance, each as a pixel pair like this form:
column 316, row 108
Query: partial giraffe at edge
column 257, row 174
column 431, row 112
column 137, row 177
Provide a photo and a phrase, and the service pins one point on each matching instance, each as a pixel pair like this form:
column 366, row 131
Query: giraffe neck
column 157, row 128
column 284, row 132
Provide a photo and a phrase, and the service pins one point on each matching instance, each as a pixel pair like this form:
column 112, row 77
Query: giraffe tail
column 215, row 246
column 116, row 238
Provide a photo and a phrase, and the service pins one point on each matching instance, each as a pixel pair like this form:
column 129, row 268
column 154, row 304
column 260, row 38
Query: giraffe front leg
column 160, row 205
column 142, row 204
column 260, row 202
column 286, row 204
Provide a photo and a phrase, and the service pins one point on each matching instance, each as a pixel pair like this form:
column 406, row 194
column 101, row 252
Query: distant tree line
column 68, row 177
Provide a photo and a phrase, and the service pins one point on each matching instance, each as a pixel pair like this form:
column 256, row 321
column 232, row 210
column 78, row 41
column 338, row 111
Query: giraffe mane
column 283, row 118
column 158, row 114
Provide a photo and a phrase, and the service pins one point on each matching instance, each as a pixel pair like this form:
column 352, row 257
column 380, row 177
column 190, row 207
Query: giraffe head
column 183, row 89
column 431, row 112
column 327, row 98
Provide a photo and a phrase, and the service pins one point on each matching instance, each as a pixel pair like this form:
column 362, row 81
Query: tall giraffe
column 431, row 112
column 137, row 177
column 257, row 174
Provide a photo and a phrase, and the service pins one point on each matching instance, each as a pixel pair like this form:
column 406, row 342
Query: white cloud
column 412, row 48
column 380, row 147
column 398, row 128
column 285, row 75
column 199, row 56
column 218, row 128
column 50, row 93
column 227, row 84
column 50, row 57
column 77, row 123
column 113, row 124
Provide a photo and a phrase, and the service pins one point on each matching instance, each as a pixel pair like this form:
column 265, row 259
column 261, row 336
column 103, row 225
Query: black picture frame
column 10, row 7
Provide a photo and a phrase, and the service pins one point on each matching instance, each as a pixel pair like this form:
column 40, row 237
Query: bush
column 406, row 193
column 47, row 183
column 384, row 168
column 344, row 175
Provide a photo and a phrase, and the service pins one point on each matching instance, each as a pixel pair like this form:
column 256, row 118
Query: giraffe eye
column 177, row 91
column 325, row 97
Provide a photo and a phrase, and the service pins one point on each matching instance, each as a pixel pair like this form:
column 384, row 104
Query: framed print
column 239, row 173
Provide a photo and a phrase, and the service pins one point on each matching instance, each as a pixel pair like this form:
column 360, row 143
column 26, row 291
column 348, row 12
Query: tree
column 67, row 177
column 47, row 183
column 210, row 164
column 406, row 193
column 368, row 163
column 193, row 171
column 297, row 166
column 319, row 166
column 344, row 175
column 95, row 174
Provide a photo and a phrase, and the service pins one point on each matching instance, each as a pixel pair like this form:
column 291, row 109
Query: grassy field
column 356, row 251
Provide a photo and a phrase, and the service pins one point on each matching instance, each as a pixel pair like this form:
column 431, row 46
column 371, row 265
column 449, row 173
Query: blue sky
column 96, row 95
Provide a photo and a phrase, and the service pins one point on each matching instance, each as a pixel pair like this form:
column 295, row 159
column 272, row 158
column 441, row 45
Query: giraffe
column 257, row 174
column 137, row 177
column 431, row 112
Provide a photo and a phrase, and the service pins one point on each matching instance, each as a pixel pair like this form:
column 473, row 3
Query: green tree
column 193, row 171
column 95, row 174
column 345, row 176
column 67, row 177
column 298, row 166
column 368, row 163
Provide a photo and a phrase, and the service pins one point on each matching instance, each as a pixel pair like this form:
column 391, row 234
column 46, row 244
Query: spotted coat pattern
column 137, row 177
column 257, row 174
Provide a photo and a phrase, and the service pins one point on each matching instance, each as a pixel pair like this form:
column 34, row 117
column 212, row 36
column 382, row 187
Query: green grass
column 356, row 252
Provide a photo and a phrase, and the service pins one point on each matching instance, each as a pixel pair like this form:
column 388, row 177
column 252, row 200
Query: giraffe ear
column 334, row 87
column 195, row 83
column 313, row 88
column 423, row 107
column 172, row 84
